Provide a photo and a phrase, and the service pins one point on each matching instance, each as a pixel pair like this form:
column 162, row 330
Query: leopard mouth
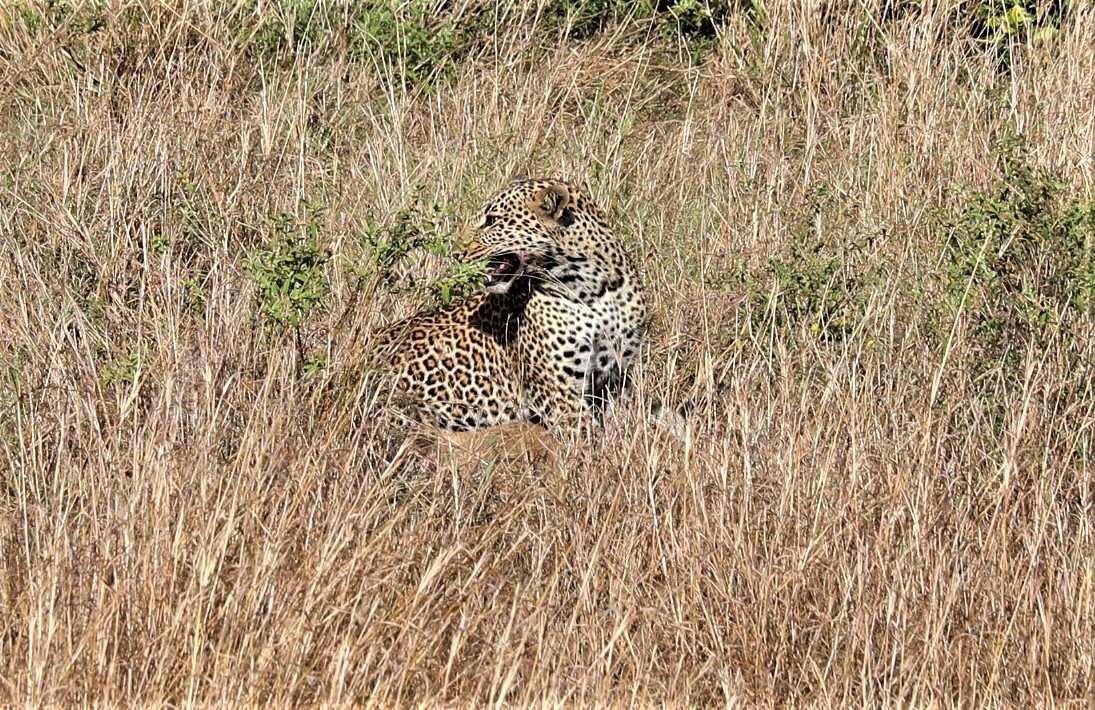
column 502, row 269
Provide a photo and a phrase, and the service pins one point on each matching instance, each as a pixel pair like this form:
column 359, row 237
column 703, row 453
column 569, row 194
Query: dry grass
column 186, row 518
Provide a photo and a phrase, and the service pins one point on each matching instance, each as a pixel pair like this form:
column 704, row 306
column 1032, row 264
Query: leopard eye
column 489, row 221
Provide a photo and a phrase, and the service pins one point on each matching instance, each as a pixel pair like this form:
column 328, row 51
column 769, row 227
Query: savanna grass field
column 853, row 467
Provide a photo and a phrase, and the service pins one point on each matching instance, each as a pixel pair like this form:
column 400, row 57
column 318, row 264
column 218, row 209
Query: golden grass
column 848, row 523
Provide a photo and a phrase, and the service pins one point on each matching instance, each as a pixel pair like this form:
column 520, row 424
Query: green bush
column 819, row 287
column 412, row 44
column 124, row 369
column 289, row 273
column 419, row 45
column 695, row 23
column 416, row 227
column 996, row 21
column 1018, row 263
column 74, row 18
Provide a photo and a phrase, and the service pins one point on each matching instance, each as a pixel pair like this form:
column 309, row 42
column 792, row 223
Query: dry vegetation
column 868, row 238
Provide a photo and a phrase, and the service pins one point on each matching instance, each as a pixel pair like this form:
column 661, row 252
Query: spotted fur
column 548, row 338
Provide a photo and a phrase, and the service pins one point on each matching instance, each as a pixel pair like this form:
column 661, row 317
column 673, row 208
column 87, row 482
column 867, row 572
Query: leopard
column 550, row 333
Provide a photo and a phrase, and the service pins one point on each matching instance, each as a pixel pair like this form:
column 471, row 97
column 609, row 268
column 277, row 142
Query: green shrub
column 289, row 273
column 1018, row 263
column 412, row 44
column 585, row 19
column 416, row 227
column 418, row 44
column 75, row 18
column 124, row 370
column 695, row 23
column 819, row 287
column 994, row 22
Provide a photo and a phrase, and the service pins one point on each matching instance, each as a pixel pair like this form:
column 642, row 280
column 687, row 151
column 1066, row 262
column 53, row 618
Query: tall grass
column 882, row 490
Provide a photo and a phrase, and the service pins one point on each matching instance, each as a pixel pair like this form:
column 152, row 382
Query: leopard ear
column 552, row 200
